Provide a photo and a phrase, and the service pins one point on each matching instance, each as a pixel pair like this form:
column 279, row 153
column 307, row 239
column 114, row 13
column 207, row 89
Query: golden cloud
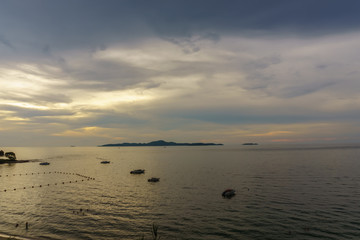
column 86, row 132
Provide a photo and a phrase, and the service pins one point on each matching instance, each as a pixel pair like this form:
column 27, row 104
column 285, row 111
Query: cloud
column 273, row 133
column 302, row 140
column 86, row 132
column 296, row 91
column 192, row 70
column 30, row 111
column 192, row 44
column 92, row 24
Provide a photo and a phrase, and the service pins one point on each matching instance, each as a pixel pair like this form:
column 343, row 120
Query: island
column 158, row 143
column 250, row 144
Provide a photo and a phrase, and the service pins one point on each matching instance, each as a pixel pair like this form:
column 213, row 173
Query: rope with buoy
column 83, row 178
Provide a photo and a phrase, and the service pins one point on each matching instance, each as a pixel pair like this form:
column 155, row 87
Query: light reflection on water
column 295, row 193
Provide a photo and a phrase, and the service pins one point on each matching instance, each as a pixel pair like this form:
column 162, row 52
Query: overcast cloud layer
column 85, row 72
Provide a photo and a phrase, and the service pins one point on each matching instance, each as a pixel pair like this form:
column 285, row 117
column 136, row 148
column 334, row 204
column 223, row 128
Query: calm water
column 295, row 192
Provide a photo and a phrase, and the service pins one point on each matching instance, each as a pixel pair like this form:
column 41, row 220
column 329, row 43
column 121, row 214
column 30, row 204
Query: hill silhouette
column 158, row 143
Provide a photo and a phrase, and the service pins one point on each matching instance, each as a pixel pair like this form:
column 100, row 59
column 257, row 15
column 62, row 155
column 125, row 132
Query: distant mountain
column 158, row 143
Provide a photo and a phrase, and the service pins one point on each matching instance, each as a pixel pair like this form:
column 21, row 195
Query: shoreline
column 13, row 161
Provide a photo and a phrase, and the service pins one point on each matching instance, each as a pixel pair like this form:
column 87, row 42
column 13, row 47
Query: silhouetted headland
column 9, row 157
column 250, row 144
column 158, row 143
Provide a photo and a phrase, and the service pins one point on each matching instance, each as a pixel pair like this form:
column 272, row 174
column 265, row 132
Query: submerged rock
column 228, row 193
column 138, row 171
column 153, row 179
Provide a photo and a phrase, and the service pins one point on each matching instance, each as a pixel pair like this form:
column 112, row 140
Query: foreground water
column 283, row 192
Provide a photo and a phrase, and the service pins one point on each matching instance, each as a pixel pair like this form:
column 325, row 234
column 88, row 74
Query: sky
column 91, row 72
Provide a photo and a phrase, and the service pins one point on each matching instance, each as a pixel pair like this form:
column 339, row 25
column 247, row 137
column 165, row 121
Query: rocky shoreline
column 13, row 161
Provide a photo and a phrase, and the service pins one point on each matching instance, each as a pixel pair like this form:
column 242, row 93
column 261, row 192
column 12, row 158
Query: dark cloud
column 298, row 90
column 181, row 18
column 93, row 23
column 105, row 75
column 186, row 44
column 256, row 77
column 190, row 44
column 69, row 24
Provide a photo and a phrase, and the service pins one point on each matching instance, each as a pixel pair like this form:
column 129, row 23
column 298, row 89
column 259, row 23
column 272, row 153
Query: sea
column 282, row 192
